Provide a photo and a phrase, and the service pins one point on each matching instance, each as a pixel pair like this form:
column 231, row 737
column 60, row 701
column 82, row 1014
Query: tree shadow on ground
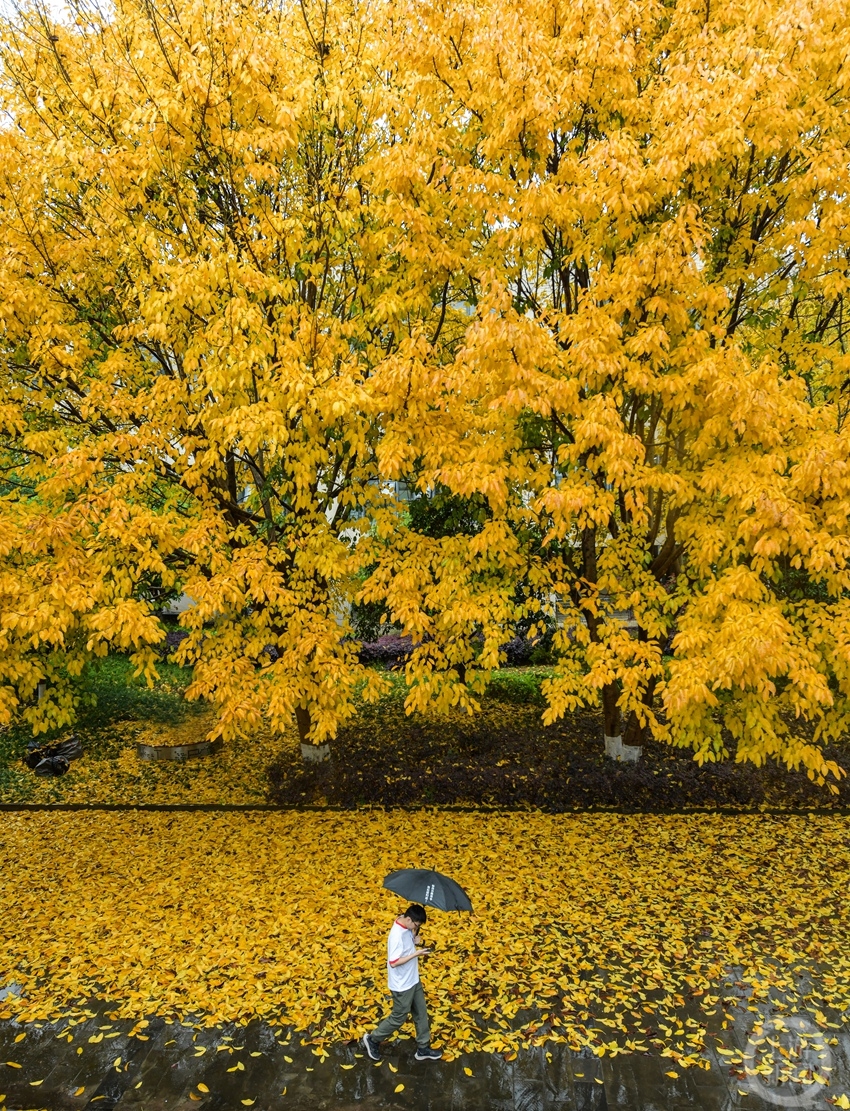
column 505, row 757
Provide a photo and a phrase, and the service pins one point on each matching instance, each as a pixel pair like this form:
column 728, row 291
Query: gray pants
column 410, row 1002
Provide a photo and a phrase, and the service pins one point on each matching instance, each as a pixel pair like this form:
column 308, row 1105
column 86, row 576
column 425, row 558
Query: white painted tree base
column 315, row 754
column 615, row 748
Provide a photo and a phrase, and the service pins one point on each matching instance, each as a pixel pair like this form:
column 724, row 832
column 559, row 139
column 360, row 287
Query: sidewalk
column 171, row 1066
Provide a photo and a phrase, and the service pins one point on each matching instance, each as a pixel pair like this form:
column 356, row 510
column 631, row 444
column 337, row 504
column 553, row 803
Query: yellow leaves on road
column 202, row 1088
column 467, row 1070
column 594, row 931
column 398, row 1088
column 20, row 1037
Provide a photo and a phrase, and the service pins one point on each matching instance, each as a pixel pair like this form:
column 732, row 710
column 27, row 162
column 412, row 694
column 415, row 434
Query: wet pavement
column 93, row 1060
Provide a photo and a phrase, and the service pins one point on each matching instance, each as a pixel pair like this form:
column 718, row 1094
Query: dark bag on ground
column 53, row 759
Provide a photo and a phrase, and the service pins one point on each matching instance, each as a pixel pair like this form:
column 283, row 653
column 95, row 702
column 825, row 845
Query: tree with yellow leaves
column 579, row 269
column 659, row 347
column 209, row 302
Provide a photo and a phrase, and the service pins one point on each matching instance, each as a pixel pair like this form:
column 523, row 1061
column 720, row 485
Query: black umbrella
column 431, row 889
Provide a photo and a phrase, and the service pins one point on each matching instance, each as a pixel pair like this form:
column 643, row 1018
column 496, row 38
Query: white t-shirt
column 399, row 944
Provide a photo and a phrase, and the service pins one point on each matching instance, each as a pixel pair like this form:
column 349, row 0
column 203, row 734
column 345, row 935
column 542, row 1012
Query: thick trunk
column 612, row 721
column 310, row 753
column 636, row 733
column 610, row 710
column 613, row 726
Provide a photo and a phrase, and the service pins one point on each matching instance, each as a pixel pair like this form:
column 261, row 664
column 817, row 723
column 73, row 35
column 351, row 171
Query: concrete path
column 102, row 1064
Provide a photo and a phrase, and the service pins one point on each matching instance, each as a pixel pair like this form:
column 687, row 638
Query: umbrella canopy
column 431, row 889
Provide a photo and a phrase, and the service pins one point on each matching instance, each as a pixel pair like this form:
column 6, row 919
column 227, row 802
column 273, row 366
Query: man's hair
column 416, row 914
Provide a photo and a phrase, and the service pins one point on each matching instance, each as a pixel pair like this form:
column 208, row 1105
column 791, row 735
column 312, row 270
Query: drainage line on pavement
column 240, row 808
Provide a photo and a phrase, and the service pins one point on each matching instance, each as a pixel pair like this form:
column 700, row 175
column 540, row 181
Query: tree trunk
column 610, row 710
column 310, row 753
column 613, row 727
column 634, row 733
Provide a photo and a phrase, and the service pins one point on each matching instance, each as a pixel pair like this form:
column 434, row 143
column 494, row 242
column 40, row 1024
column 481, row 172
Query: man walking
column 406, row 988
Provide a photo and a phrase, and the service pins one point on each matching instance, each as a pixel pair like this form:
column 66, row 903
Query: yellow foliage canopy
column 580, row 268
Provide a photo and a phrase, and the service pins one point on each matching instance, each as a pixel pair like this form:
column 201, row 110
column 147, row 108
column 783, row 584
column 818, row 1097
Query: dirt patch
column 506, row 757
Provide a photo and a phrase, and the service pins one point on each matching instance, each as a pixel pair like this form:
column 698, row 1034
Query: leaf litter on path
column 606, row 933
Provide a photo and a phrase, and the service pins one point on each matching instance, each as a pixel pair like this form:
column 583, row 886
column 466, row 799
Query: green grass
column 109, row 695
column 515, row 686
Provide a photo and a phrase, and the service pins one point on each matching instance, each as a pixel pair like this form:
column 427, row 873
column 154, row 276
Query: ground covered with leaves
column 118, row 712
column 607, row 933
column 503, row 757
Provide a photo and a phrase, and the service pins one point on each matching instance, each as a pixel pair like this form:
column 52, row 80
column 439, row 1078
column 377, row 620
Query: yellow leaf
column 256, row 1054
column 287, row 1059
column 13, row 1064
column 80, row 1091
column 675, row 1075
column 346, row 1066
column 35, row 1083
column 398, row 1088
column 196, row 1098
column 468, row 1071
column 247, row 1103
column 392, row 1066
column 843, row 1102
column 139, row 1084
column 79, row 1050
column 20, row 1037
column 203, row 1088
